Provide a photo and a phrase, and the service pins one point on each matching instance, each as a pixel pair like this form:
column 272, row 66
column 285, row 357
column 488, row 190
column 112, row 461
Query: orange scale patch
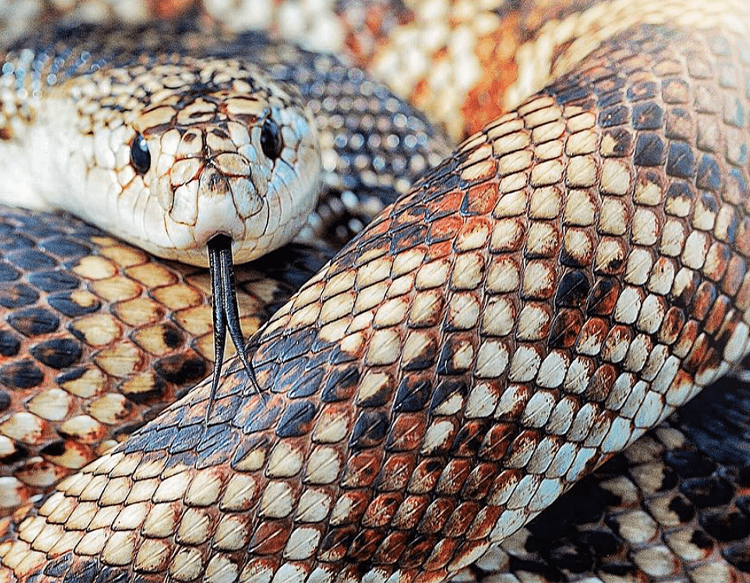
column 482, row 103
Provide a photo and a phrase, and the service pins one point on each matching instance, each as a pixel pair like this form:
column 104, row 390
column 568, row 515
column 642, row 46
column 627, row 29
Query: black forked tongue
column 226, row 315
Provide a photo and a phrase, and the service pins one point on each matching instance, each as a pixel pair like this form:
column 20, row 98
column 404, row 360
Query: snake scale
column 162, row 359
column 557, row 286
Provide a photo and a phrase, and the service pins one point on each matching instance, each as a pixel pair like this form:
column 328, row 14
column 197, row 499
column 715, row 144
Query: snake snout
column 219, row 198
column 231, row 176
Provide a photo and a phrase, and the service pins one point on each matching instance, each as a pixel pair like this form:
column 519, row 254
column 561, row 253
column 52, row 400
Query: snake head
column 205, row 148
column 205, row 161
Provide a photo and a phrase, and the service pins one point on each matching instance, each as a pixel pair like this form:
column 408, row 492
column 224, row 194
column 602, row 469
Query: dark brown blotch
column 34, row 322
column 9, row 344
column 181, row 368
column 21, row 375
column 57, row 353
column 370, row 429
column 572, row 290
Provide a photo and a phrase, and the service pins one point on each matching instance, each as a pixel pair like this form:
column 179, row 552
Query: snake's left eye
column 270, row 139
column 140, row 157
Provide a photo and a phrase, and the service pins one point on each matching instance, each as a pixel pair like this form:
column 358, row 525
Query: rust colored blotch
column 406, row 432
column 482, row 104
column 672, row 325
column 380, row 511
column 478, row 483
column 397, row 469
column 453, row 477
column 333, row 546
column 365, row 544
column 436, row 516
column 361, row 470
column 270, row 537
column 444, row 229
column 461, row 518
column 603, row 297
column 717, row 314
column 565, row 328
column 417, row 552
column 496, row 441
column 486, row 519
column 425, row 476
column 391, row 549
column 470, row 438
column 703, row 301
column 480, row 199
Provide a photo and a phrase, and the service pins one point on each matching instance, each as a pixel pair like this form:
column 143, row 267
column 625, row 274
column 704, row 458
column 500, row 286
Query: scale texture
column 672, row 507
column 564, row 281
column 558, row 286
column 99, row 336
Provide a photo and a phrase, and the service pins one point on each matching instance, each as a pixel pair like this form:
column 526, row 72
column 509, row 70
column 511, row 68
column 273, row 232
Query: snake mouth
column 226, row 314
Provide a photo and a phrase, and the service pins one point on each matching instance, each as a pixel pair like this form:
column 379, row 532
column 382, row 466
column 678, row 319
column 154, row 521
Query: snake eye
column 140, row 157
column 270, row 139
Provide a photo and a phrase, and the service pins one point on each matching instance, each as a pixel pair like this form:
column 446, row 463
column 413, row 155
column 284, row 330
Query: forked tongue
column 226, row 315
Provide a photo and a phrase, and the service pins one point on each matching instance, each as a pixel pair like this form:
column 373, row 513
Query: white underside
column 17, row 189
column 35, row 163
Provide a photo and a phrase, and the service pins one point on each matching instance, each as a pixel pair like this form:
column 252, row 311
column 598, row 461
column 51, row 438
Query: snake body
column 560, row 284
column 125, row 334
column 183, row 153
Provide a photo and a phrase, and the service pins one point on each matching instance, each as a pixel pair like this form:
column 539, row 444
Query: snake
column 561, row 283
column 179, row 354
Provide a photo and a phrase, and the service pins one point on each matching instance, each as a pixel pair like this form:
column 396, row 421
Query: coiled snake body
column 560, row 284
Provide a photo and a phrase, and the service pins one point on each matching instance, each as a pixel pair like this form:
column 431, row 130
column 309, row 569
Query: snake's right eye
column 270, row 139
column 140, row 157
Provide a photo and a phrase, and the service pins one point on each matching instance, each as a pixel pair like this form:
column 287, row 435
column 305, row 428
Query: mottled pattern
column 97, row 337
column 673, row 507
column 558, row 286
column 134, row 334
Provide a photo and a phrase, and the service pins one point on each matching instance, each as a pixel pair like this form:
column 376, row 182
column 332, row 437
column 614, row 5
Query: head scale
column 184, row 151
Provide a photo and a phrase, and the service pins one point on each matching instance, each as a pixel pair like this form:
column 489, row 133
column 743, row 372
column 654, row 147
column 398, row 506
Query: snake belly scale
column 560, row 284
